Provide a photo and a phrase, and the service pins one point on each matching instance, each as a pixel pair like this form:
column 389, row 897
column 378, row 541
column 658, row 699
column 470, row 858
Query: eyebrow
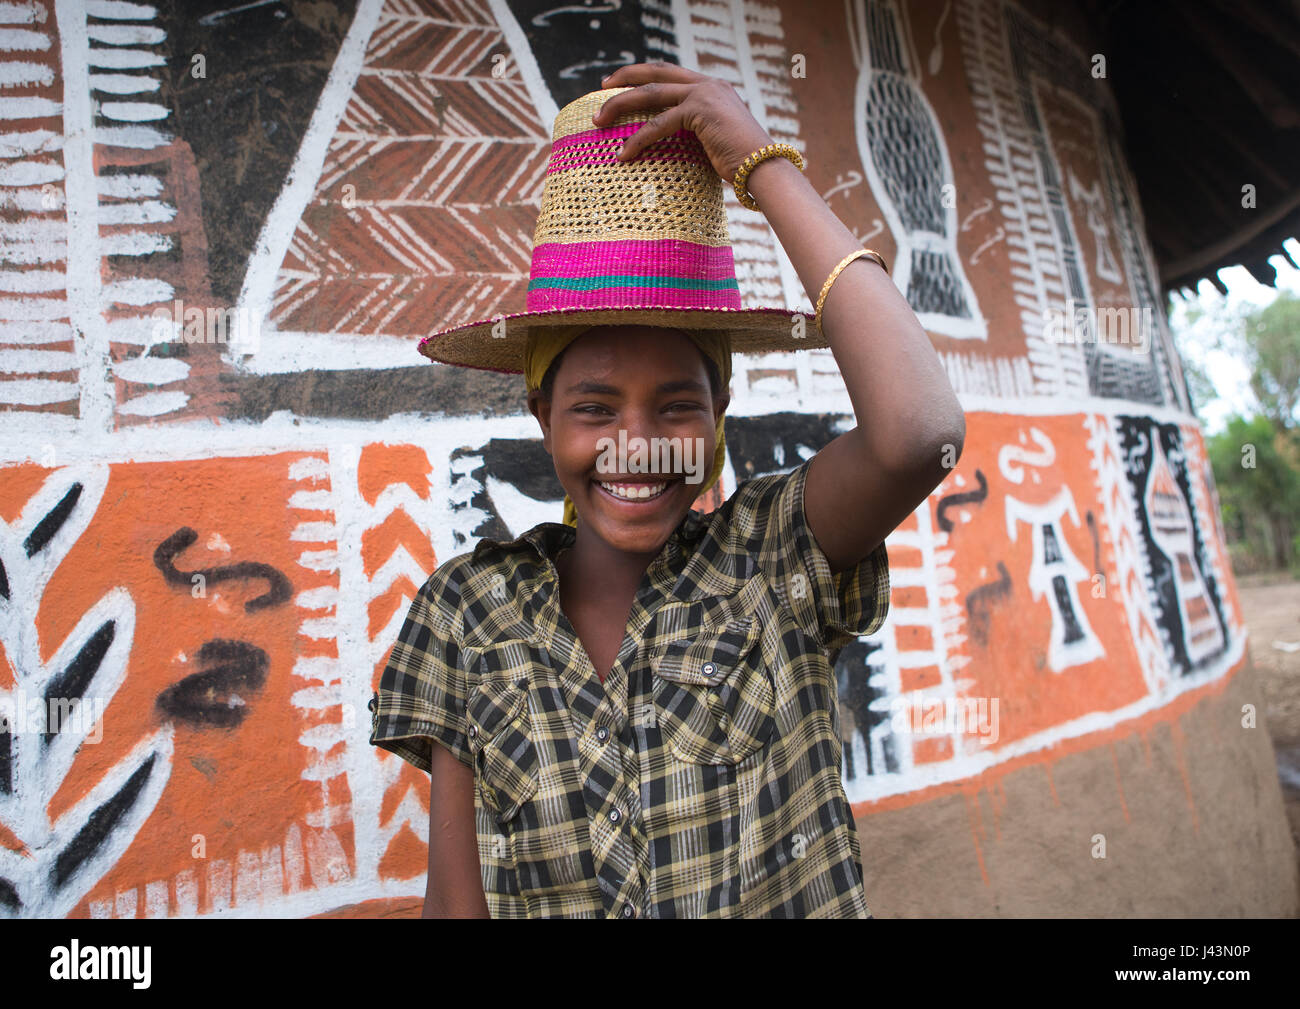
column 599, row 389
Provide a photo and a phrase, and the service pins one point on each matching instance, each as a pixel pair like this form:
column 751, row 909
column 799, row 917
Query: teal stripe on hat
column 632, row 280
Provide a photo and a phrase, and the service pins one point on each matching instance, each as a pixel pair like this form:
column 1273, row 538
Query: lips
column 635, row 490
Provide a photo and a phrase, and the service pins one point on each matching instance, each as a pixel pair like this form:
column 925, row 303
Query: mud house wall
column 214, row 544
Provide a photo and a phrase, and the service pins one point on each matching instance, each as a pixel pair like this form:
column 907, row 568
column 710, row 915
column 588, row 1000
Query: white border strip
column 83, row 284
column 281, row 223
column 31, row 434
column 510, row 29
column 288, row 351
column 923, row 776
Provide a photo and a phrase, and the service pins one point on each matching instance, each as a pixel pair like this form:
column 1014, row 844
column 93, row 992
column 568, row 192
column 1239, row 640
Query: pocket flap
column 501, row 740
column 716, row 701
column 710, row 657
column 492, row 705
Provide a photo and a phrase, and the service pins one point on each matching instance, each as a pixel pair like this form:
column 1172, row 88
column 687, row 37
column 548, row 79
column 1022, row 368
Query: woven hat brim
column 753, row 331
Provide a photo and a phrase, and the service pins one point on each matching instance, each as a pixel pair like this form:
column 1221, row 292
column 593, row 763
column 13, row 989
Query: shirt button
column 602, row 733
column 614, row 815
column 473, row 731
column 628, row 911
column 710, row 669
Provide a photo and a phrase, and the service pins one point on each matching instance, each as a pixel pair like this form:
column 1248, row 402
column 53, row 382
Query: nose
column 644, row 422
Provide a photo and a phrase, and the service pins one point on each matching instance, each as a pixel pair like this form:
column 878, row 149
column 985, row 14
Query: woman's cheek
column 581, row 450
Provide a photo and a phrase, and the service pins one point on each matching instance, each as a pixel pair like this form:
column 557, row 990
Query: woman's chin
column 637, row 525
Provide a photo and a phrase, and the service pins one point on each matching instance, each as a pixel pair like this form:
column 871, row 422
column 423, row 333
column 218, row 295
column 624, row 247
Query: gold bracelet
column 821, row 298
column 751, row 162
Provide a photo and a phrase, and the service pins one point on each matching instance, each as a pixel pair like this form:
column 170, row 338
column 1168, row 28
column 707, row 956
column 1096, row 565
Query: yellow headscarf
column 545, row 344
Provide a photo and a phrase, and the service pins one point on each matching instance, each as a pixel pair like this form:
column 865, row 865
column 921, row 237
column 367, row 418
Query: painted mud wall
column 213, row 544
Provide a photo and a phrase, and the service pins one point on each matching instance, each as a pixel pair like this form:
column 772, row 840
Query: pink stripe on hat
column 665, row 273
column 601, row 147
column 653, row 298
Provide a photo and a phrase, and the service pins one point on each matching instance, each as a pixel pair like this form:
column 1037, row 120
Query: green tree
column 1199, row 328
column 1271, row 339
column 1199, row 386
column 1259, row 489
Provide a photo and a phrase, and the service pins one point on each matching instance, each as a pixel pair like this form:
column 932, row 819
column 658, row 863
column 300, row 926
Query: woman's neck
column 602, row 571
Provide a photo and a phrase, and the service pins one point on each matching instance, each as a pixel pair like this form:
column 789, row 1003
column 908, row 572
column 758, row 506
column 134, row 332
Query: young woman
column 636, row 708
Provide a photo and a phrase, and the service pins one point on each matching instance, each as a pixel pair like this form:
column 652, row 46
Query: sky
column 1230, row 376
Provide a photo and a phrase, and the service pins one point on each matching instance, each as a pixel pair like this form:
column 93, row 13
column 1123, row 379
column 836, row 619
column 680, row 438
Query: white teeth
column 637, row 492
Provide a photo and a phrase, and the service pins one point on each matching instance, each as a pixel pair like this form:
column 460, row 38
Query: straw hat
column 617, row 243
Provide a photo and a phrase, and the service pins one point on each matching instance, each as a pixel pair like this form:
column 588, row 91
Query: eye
column 591, row 408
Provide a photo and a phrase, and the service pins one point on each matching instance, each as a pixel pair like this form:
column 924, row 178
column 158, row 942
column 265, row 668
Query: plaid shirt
column 702, row 778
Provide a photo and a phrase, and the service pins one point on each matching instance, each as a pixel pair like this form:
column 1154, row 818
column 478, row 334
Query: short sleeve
column 423, row 690
column 834, row 609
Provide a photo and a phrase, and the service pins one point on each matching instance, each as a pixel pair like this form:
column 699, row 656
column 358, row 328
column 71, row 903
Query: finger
column 653, row 96
column 643, row 73
column 662, row 124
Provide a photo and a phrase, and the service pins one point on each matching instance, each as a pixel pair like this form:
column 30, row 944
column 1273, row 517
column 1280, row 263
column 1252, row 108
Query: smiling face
column 614, row 385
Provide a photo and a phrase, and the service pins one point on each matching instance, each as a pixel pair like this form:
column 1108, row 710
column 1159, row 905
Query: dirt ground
column 1272, row 608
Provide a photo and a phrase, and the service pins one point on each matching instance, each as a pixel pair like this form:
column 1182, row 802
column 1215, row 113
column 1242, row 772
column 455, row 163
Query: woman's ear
column 720, row 404
column 540, row 407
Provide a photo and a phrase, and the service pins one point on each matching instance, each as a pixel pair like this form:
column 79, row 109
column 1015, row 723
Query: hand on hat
column 707, row 106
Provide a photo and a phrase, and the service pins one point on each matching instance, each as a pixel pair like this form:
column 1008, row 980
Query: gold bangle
column 751, row 162
column 821, row 298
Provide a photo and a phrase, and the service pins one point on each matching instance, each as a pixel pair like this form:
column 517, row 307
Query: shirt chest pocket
column 505, row 756
column 713, row 693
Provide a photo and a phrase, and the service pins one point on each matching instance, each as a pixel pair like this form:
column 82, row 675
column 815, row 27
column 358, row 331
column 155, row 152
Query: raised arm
column 911, row 426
